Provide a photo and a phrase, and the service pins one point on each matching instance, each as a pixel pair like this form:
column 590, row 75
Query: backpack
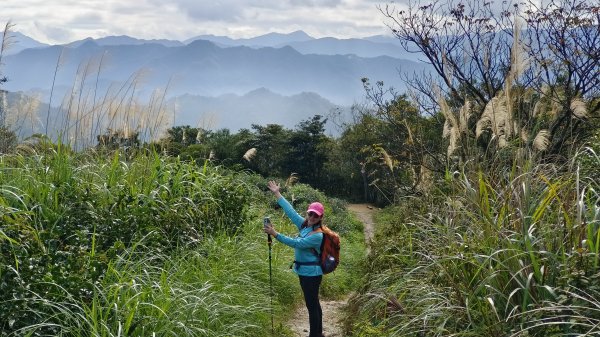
column 330, row 249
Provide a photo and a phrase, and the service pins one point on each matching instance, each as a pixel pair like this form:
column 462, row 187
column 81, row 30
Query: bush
column 65, row 218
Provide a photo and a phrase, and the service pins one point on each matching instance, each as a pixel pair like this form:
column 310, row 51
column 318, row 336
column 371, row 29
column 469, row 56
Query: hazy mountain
column 234, row 112
column 202, row 68
column 221, row 41
column 267, row 40
column 19, row 42
column 373, row 46
column 359, row 47
column 124, row 40
column 260, row 106
column 33, row 69
column 209, row 84
column 381, row 39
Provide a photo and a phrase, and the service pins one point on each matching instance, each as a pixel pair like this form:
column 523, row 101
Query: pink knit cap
column 316, row 207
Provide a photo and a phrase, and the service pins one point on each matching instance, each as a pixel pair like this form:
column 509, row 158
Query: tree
column 178, row 138
column 115, row 139
column 489, row 73
column 393, row 147
column 186, row 135
column 270, row 143
column 225, row 147
column 197, row 152
column 563, row 39
column 308, row 150
column 8, row 140
column 462, row 43
column 350, row 159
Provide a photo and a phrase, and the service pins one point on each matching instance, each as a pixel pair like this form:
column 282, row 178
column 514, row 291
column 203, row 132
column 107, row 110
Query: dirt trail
column 332, row 309
column 364, row 212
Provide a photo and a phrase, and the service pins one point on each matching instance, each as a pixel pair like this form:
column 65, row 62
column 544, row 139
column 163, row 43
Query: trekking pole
column 267, row 222
column 270, row 240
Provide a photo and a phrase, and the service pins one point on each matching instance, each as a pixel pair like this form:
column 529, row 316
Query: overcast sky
column 61, row 21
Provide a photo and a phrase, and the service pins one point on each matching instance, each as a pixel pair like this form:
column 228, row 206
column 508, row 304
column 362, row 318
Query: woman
column 307, row 247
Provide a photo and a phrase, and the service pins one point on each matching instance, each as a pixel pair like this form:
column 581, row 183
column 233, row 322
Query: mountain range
column 274, row 78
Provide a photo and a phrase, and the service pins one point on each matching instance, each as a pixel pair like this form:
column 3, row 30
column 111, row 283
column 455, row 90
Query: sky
column 63, row 21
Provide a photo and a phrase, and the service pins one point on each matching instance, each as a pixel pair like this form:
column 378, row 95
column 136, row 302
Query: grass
column 71, row 216
column 510, row 253
column 120, row 241
column 146, row 245
column 216, row 289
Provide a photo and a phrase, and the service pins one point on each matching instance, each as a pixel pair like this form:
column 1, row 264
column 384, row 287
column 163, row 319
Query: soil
column 332, row 309
column 364, row 213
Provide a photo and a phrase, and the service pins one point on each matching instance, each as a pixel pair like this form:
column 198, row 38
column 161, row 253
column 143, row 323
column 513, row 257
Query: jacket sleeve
column 310, row 241
column 296, row 218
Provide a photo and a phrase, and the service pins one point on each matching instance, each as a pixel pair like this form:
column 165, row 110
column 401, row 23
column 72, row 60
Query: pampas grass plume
column 291, row 180
column 579, row 108
column 387, row 159
column 464, row 115
column 249, row 154
column 541, row 141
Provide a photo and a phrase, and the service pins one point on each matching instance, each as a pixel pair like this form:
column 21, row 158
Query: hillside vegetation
column 504, row 240
column 487, row 171
column 492, row 253
column 102, row 246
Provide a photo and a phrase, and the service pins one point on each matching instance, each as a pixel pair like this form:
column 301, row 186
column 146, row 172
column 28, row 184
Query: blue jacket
column 303, row 244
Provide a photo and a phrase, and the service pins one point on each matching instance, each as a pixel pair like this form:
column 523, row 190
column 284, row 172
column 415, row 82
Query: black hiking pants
column 310, row 288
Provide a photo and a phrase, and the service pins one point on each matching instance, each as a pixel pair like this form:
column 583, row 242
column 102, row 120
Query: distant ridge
column 260, row 106
column 381, row 38
column 373, row 46
column 273, row 78
column 267, row 40
column 19, row 42
column 124, row 40
column 204, row 68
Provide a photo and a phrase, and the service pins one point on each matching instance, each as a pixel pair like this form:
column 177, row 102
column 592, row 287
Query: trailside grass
column 491, row 253
column 114, row 245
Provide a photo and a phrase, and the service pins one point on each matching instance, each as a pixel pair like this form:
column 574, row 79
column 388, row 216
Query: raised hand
column 274, row 187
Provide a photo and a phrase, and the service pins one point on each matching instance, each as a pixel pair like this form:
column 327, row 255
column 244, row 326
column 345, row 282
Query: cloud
column 316, row 3
column 62, row 21
column 217, row 10
column 46, row 32
column 90, row 19
column 237, row 11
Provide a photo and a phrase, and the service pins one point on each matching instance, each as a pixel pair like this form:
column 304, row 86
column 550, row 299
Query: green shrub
column 95, row 246
column 69, row 216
